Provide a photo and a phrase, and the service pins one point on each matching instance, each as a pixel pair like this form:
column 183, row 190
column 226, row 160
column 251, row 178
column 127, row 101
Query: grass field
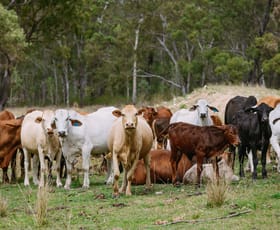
column 255, row 204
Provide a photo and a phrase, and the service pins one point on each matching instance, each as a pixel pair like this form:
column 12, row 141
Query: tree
column 12, row 44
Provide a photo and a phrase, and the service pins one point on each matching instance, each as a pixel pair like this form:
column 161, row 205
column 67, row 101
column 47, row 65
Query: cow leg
column 69, row 167
column 124, row 182
column 26, row 167
column 147, row 161
column 86, row 162
column 130, row 174
column 263, row 160
column 255, row 162
column 232, row 156
column 14, row 166
column 42, row 167
column 57, row 165
column 174, row 160
column 5, row 178
column 199, row 162
column 250, row 163
column 50, row 165
column 216, row 168
column 241, row 153
column 116, row 175
column 110, row 171
column 275, row 144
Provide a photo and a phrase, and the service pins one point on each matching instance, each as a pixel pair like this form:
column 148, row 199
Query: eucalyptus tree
column 12, row 44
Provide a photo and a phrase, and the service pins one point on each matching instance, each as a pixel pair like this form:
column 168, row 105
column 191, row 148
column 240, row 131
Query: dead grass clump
column 41, row 206
column 216, row 192
column 3, row 206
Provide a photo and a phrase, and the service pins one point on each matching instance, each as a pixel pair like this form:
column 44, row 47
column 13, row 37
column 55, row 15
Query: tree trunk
column 5, row 84
column 134, row 82
column 66, row 83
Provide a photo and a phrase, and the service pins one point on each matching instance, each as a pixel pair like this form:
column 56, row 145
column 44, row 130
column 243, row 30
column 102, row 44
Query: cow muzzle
column 62, row 134
column 130, row 125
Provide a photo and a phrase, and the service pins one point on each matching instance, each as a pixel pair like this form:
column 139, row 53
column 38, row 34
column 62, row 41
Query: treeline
column 57, row 52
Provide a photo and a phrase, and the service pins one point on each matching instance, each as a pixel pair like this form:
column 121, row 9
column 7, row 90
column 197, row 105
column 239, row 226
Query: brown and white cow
column 130, row 139
column 39, row 138
column 202, row 142
column 9, row 143
column 160, row 168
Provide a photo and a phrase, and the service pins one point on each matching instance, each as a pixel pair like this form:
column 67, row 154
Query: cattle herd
column 153, row 145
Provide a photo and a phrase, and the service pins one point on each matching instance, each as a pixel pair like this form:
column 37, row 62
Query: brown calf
column 202, row 142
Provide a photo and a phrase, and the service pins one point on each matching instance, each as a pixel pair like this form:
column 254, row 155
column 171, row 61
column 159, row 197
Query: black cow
column 254, row 133
column 235, row 104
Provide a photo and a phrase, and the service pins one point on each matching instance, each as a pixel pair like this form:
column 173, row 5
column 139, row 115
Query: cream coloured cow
column 83, row 135
column 38, row 137
column 131, row 139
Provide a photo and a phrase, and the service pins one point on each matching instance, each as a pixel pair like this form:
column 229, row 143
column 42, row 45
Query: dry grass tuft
column 42, row 205
column 3, row 206
column 216, row 192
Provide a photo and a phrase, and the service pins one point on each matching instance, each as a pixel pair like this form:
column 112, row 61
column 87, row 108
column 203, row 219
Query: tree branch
column 147, row 75
column 205, row 220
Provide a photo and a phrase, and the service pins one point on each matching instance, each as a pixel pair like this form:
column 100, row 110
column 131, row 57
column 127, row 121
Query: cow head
column 149, row 113
column 129, row 116
column 262, row 111
column 202, row 108
column 231, row 134
column 63, row 119
column 46, row 121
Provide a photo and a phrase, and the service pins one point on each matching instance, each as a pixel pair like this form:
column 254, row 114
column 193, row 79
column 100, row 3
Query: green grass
column 96, row 209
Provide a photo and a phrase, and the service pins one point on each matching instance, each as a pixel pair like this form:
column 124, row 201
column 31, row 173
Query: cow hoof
column 66, row 187
column 177, row 184
column 115, row 195
column 264, row 175
column 85, row 187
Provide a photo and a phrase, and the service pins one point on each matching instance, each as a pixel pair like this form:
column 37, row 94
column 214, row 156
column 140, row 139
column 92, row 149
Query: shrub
column 216, row 193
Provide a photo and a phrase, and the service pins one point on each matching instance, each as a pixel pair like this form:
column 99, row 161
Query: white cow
column 83, row 135
column 196, row 115
column 225, row 172
column 38, row 137
column 274, row 122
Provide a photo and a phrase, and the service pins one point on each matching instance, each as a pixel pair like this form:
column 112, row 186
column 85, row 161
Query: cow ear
column 154, row 112
column 38, row 119
column 140, row 111
column 53, row 125
column 76, row 122
column 117, row 113
column 214, row 109
column 193, row 108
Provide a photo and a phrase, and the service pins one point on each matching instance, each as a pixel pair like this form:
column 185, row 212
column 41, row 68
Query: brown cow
column 216, row 120
column 9, row 143
column 130, row 139
column 158, row 118
column 7, row 115
column 272, row 101
column 203, row 142
column 160, row 168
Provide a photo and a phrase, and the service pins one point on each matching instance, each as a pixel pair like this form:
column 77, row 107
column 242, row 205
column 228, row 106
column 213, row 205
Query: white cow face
column 61, row 122
column 202, row 108
column 129, row 116
column 63, row 119
column 46, row 121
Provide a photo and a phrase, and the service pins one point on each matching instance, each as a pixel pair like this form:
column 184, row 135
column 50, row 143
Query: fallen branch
column 164, row 223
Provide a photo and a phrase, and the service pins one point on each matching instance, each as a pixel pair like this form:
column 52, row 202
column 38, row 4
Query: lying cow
column 83, row 135
column 131, row 139
column 202, row 142
column 39, row 138
column 225, row 172
column 160, row 168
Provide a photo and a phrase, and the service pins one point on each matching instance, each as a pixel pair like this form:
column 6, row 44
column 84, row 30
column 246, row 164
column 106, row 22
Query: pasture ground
column 96, row 209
